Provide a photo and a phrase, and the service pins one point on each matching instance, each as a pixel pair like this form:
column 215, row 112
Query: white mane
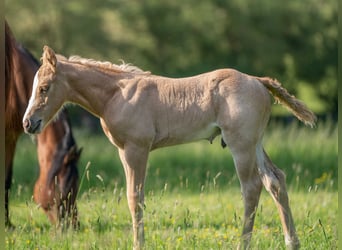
column 123, row 67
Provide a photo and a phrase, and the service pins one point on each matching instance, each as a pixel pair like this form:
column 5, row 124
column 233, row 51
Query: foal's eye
column 43, row 89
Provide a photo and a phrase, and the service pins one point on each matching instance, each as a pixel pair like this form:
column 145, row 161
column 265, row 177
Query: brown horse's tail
column 297, row 107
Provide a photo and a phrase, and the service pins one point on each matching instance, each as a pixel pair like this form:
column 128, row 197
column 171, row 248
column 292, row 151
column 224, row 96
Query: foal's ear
column 49, row 57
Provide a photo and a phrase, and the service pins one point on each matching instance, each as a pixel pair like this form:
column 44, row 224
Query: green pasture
column 193, row 199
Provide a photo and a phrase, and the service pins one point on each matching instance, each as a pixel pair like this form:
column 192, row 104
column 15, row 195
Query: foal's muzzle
column 31, row 126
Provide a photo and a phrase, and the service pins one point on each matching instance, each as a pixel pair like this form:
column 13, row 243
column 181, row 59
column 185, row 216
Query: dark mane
column 29, row 54
column 63, row 149
column 9, row 50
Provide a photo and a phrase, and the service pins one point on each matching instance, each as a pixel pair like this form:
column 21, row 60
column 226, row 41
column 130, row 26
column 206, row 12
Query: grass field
column 193, row 199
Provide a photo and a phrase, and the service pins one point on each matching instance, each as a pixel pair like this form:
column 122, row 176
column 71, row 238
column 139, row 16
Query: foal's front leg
column 134, row 159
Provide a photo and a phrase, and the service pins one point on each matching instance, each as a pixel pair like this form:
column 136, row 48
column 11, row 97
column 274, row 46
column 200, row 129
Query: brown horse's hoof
column 9, row 226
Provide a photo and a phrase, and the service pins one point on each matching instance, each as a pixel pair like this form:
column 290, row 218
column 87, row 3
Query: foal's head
column 48, row 94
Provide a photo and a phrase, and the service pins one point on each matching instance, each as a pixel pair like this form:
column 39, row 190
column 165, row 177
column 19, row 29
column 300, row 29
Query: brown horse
column 140, row 112
column 56, row 187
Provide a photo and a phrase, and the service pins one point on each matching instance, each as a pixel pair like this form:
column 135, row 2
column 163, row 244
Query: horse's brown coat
column 55, row 140
column 140, row 112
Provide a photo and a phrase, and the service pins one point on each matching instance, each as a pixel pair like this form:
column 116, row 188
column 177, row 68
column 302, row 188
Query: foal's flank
column 140, row 112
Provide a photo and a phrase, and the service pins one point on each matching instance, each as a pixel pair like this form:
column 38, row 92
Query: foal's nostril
column 26, row 123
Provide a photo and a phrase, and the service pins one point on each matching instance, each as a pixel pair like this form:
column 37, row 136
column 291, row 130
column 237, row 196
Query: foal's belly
column 207, row 133
column 185, row 135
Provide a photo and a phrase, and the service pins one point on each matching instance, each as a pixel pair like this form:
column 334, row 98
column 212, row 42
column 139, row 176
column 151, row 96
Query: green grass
column 175, row 220
column 193, row 199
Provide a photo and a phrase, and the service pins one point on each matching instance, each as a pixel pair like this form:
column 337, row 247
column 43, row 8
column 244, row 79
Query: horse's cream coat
column 140, row 112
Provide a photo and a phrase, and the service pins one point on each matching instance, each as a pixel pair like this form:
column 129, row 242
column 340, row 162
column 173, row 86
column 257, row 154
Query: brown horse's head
column 43, row 105
column 57, row 195
column 57, row 186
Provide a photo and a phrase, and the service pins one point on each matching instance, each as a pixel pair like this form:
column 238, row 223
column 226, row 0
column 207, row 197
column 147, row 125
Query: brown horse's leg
column 251, row 185
column 134, row 159
column 274, row 182
column 8, row 181
column 10, row 149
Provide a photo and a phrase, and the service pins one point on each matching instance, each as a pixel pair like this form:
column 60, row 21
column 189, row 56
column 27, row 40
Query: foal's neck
column 91, row 88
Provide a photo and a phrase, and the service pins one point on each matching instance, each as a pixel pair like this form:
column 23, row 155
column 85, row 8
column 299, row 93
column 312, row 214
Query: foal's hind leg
column 274, row 182
column 251, row 185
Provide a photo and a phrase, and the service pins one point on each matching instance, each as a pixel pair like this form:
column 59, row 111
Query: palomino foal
column 140, row 112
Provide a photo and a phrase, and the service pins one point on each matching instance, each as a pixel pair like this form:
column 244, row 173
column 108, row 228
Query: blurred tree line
column 293, row 41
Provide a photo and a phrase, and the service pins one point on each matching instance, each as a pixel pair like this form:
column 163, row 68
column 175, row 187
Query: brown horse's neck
column 20, row 70
column 25, row 63
column 90, row 88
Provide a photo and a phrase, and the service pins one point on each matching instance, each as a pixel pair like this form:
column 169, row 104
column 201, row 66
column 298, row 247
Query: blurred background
column 292, row 41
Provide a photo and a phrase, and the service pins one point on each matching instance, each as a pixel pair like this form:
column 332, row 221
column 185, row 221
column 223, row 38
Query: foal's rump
column 243, row 108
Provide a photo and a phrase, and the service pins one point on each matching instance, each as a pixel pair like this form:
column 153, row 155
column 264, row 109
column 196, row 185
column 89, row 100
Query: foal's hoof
column 293, row 246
